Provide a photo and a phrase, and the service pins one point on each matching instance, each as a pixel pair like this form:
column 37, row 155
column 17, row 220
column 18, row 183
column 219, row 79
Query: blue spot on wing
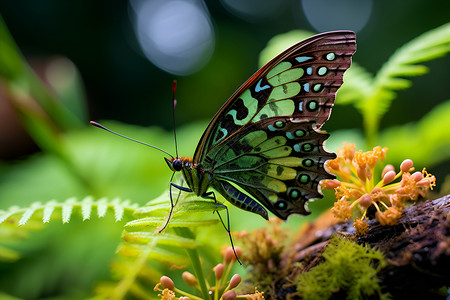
column 306, row 87
column 301, row 59
column 260, row 88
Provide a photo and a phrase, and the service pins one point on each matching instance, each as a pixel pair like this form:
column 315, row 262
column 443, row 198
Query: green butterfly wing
column 265, row 139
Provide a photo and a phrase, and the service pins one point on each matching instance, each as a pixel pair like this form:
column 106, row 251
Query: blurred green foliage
column 68, row 261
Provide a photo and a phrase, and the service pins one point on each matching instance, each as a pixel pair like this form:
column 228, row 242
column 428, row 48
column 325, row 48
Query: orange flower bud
column 228, row 255
column 189, row 278
column 423, row 182
column 238, row 251
column 167, row 283
column 229, row 295
column 331, row 184
column 417, row 176
column 388, row 177
column 365, row 200
column 406, row 165
column 362, row 173
column 386, row 169
column 218, row 271
column 235, row 280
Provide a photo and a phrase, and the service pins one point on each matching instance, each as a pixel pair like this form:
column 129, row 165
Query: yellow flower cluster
column 223, row 290
column 358, row 192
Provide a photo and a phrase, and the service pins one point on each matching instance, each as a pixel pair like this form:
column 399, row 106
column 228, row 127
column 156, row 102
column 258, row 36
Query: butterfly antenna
column 174, row 88
column 128, row 138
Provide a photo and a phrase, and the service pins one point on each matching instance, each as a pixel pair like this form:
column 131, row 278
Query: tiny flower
column 347, row 151
column 333, row 165
column 389, row 216
column 235, row 280
column 342, row 210
column 360, row 226
column 167, row 283
column 360, row 194
column 189, row 278
column 167, row 294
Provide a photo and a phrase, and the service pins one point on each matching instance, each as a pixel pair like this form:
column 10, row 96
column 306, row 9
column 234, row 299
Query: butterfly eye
column 177, row 164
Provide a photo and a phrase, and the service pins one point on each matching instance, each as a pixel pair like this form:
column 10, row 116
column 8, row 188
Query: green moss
column 349, row 269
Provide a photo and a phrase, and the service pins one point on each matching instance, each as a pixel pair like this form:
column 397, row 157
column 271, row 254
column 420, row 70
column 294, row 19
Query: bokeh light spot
column 326, row 15
column 175, row 35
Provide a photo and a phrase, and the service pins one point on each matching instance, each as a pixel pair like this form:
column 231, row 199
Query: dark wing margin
column 316, row 65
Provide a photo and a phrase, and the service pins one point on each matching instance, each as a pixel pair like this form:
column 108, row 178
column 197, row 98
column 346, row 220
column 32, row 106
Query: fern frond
column 65, row 210
column 175, row 245
column 403, row 63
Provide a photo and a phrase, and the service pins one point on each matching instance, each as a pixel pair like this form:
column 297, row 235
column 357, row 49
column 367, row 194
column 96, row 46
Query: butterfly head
column 175, row 164
column 178, row 163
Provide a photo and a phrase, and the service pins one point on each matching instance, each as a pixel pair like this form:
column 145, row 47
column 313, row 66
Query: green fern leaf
column 48, row 210
column 403, row 63
column 144, row 237
column 146, row 245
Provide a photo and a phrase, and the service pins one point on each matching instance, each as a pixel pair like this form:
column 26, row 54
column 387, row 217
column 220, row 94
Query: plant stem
column 195, row 260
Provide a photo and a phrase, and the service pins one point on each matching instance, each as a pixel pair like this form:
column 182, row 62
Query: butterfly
column 264, row 150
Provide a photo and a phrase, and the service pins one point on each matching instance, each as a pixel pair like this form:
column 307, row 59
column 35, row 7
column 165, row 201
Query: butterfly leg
column 180, row 188
column 227, row 227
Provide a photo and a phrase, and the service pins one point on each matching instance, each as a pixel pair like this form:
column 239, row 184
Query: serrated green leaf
column 29, row 212
column 193, row 223
column 152, row 209
column 102, row 207
column 145, row 222
column 144, row 237
column 86, row 207
column 135, row 251
column 67, row 209
column 49, row 208
column 155, row 222
column 199, row 206
column 4, row 215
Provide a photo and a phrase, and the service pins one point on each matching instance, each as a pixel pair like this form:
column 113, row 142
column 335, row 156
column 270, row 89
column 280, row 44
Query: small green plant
column 348, row 269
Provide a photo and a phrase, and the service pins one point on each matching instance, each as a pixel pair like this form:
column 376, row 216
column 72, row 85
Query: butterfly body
column 265, row 143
